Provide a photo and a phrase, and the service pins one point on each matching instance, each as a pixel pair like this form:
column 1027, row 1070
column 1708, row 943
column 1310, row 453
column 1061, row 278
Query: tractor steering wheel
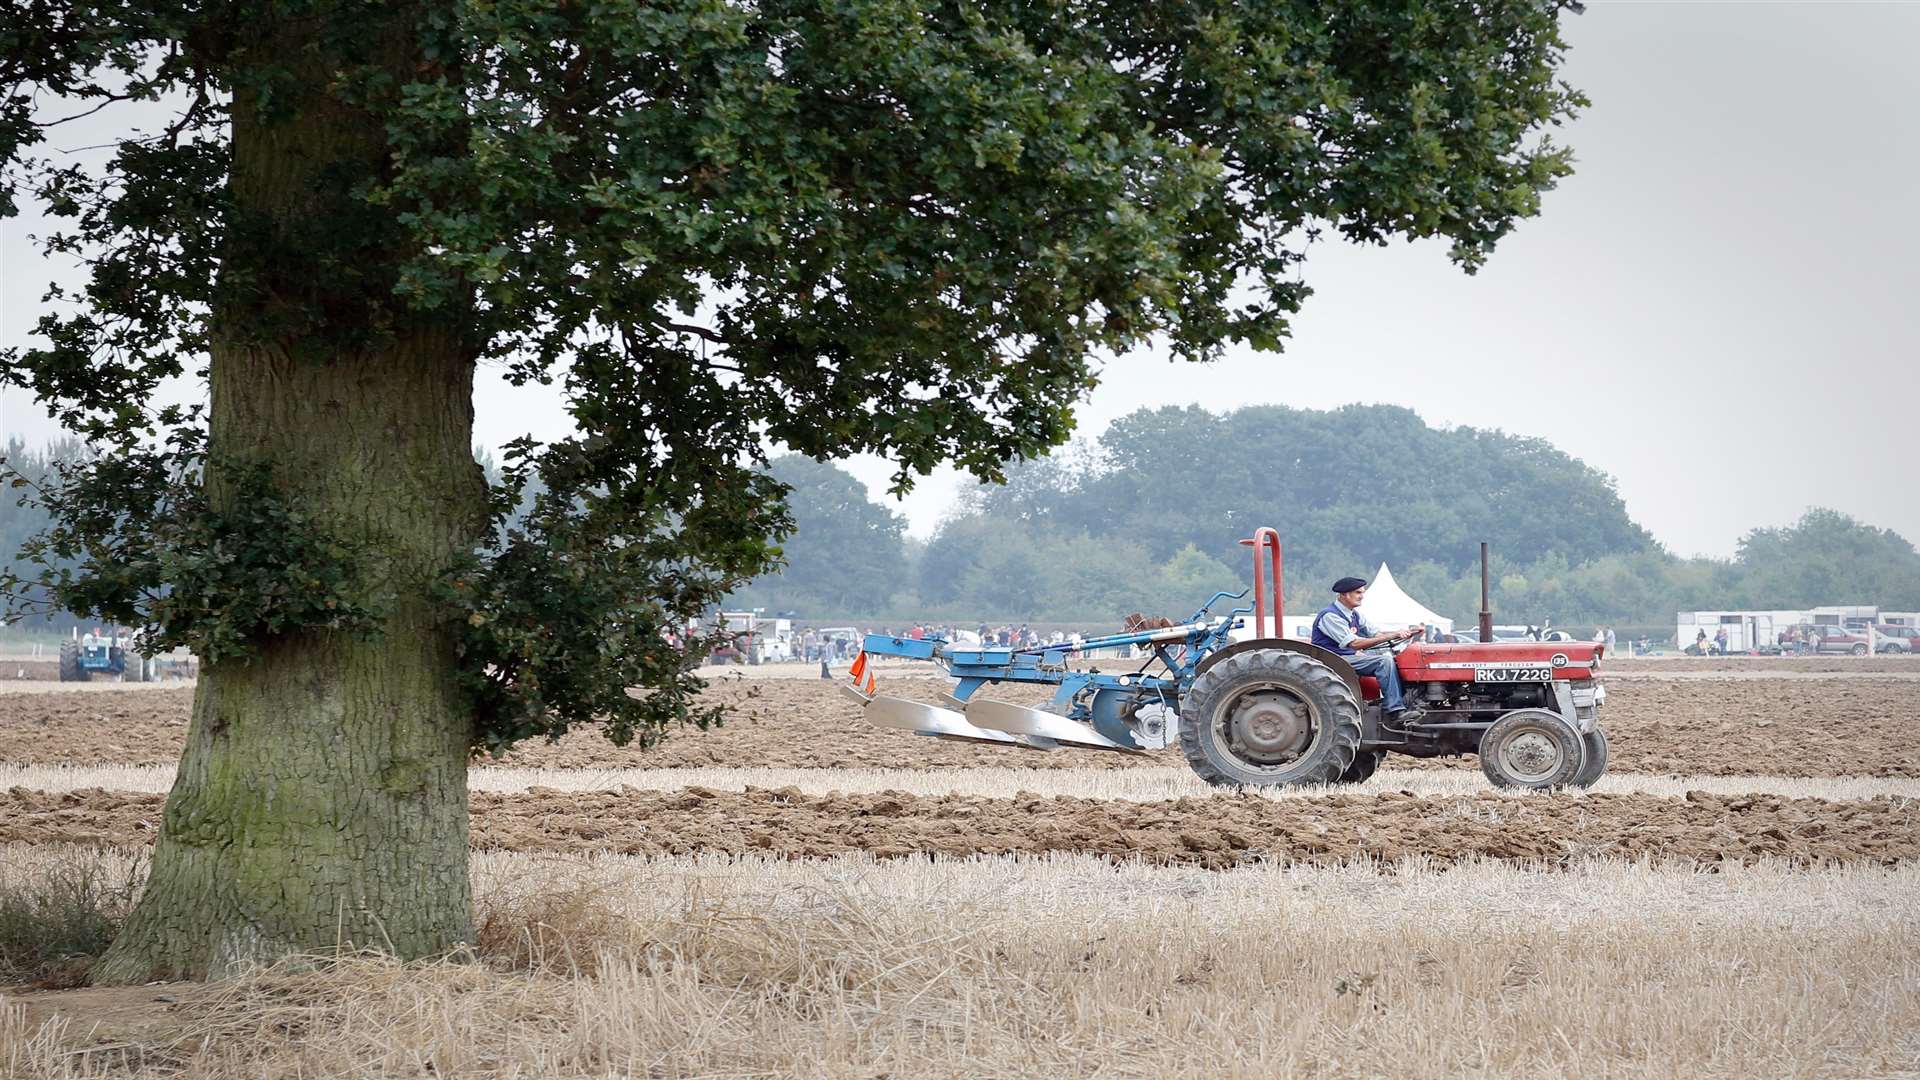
column 1392, row 648
column 1397, row 645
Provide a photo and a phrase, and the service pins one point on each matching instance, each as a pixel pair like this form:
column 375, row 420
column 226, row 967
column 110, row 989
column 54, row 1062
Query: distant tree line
column 1148, row 518
column 21, row 519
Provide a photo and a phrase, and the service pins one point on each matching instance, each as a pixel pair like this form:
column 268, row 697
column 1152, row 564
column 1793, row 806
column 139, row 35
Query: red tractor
column 1278, row 711
column 1271, row 711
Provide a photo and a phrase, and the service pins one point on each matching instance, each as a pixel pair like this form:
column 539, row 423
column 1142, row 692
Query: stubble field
column 797, row 893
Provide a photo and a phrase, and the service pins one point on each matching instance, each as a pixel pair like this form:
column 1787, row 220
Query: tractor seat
column 1369, row 688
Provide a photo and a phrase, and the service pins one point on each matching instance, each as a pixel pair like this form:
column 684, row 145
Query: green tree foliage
column 1348, row 488
column 846, row 554
column 1087, row 535
column 21, row 516
column 963, row 578
column 980, row 568
column 1372, row 475
column 1828, row 558
column 25, row 473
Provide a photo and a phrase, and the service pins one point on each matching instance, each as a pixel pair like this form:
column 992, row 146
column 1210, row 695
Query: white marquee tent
column 1388, row 606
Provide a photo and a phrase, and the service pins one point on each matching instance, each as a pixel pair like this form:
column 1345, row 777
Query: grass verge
column 56, row 920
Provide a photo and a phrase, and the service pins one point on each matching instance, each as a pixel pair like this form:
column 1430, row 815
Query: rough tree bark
column 321, row 802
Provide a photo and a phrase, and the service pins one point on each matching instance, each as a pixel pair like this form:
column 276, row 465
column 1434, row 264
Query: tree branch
column 110, row 99
column 688, row 328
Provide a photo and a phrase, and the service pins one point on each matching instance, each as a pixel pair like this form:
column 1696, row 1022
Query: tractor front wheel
column 1267, row 718
column 1533, row 749
column 1596, row 766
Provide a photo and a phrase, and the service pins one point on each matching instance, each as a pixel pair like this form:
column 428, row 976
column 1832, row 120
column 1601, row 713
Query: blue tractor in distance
column 110, row 654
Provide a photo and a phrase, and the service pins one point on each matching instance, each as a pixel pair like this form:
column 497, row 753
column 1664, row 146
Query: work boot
column 1412, row 714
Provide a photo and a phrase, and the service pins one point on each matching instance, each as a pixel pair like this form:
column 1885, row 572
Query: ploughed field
column 1707, row 771
column 1805, row 726
column 1211, row 832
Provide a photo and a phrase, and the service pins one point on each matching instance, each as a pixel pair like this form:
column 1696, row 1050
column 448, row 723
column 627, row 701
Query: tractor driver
column 1341, row 628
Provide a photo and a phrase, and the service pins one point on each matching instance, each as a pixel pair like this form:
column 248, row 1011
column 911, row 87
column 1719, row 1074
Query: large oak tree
column 901, row 227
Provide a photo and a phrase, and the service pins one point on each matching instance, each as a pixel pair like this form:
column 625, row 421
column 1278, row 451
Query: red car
column 1833, row 639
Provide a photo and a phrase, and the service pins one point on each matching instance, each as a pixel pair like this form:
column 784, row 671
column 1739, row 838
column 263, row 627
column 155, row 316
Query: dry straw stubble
column 708, row 966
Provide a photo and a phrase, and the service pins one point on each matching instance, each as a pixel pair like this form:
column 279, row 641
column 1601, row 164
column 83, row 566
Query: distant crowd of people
column 829, row 648
column 1704, row 646
column 1020, row 637
column 1006, row 636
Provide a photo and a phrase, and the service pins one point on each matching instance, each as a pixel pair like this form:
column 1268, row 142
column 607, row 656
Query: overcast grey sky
column 1720, row 308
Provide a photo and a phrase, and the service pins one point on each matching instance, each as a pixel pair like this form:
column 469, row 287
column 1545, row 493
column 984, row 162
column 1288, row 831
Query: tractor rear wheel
column 1532, row 748
column 1269, row 717
column 1365, row 764
column 70, row 669
column 1596, row 766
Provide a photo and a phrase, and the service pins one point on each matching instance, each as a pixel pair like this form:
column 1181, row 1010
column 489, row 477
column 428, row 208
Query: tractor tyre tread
column 1596, row 764
column 1333, row 751
column 70, row 669
column 1365, row 764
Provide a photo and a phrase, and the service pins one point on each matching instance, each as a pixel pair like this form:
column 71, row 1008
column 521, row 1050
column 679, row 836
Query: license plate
column 1543, row 673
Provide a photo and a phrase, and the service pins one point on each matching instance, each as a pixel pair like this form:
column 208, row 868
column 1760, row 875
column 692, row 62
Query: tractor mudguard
column 1326, row 656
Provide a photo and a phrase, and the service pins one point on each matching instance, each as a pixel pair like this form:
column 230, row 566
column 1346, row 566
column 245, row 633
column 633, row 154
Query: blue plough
column 1133, row 710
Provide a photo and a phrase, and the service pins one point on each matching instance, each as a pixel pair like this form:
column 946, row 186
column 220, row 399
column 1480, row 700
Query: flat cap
column 1348, row 584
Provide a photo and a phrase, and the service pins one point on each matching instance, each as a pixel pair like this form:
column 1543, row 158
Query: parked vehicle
column 1898, row 639
column 1845, row 640
column 111, row 653
column 752, row 639
column 775, row 639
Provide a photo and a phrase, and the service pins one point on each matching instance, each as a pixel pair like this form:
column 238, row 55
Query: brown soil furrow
column 1805, row 727
column 1217, row 832
column 36, row 670
column 85, row 728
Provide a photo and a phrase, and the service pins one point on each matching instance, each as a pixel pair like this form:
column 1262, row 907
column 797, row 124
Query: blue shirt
column 1337, row 626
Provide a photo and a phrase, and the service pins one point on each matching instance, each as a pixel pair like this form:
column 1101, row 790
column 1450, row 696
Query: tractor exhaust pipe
column 1486, row 609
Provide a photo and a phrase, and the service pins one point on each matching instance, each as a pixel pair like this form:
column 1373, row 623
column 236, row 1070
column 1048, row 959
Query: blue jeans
column 1381, row 666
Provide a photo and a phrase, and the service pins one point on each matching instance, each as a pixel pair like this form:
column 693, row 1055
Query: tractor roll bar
column 1263, row 539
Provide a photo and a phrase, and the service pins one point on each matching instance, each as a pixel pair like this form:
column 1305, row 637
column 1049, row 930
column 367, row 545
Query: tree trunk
column 321, row 802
